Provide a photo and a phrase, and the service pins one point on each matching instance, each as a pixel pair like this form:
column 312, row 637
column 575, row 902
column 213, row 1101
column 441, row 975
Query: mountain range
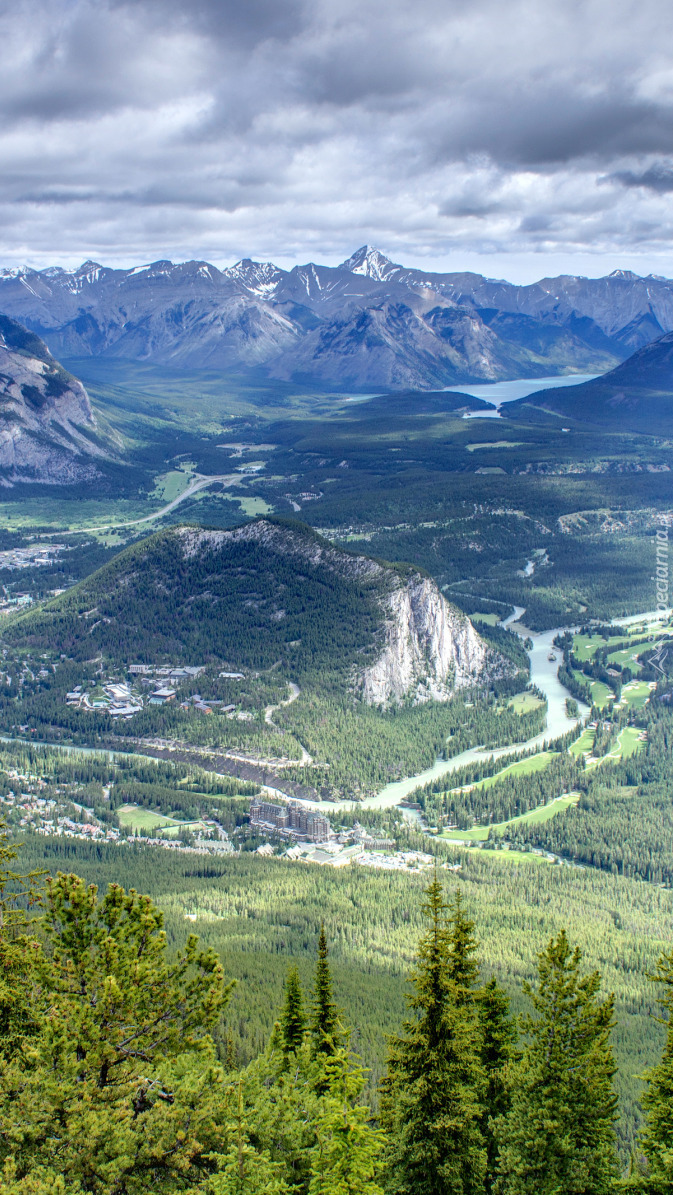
column 365, row 323
column 48, row 430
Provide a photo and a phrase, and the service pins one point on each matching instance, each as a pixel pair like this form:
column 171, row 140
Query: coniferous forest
column 113, row 1080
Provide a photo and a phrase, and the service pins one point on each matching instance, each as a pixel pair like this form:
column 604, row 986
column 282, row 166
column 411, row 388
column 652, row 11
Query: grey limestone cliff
column 431, row 648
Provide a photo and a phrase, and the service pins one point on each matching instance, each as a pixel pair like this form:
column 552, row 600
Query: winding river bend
column 543, row 674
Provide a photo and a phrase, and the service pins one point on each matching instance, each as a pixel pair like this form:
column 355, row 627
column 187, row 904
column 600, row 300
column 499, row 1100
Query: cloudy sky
column 517, row 137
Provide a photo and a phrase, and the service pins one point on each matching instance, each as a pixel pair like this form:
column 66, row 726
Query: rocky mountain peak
column 259, row 277
column 371, row 262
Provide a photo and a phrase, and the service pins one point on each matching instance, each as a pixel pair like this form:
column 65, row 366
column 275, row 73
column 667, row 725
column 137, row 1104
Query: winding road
column 200, row 483
column 270, row 710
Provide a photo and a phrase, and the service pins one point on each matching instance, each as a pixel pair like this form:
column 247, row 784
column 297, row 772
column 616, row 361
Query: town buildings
column 290, row 821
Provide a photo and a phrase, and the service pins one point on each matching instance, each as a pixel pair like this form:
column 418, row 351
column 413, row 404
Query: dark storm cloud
column 658, row 177
column 284, row 126
column 243, row 23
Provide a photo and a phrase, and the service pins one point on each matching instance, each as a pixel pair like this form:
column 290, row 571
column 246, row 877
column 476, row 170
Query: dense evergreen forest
column 111, row 1079
column 259, row 914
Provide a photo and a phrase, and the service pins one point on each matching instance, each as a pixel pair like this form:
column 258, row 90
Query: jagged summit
column 371, row 263
column 366, row 323
column 259, row 277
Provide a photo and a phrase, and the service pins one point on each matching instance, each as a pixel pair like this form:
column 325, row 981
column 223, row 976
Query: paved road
column 200, row 483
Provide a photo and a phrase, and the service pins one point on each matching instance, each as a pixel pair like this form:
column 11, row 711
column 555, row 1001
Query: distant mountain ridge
column 367, row 322
column 48, row 431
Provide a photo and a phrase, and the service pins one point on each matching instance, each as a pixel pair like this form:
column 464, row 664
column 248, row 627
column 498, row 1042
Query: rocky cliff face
column 48, row 431
column 431, row 649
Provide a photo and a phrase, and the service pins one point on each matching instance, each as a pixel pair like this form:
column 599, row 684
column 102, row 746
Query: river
column 543, row 674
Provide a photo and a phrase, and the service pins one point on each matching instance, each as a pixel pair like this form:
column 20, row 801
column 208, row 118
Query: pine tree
column 559, row 1133
column 657, row 1139
column 431, row 1105
column 293, row 1019
column 21, row 958
column 325, row 1018
column 119, row 1090
column 498, row 1037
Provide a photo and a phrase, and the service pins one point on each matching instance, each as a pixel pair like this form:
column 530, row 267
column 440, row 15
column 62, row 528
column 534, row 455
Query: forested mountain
column 268, row 594
column 367, row 322
column 636, row 396
column 48, row 431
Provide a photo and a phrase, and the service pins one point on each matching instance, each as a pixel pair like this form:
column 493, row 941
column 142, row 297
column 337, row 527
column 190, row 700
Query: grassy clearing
column 628, row 742
column 627, row 657
column 143, row 819
column 635, row 695
column 584, row 743
column 600, row 694
column 543, row 813
column 523, row 703
column 522, row 767
column 70, row 514
column 254, row 506
column 170, row 485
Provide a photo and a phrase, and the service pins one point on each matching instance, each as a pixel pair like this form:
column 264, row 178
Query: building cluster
column 290, row 821
column 368, row 842
column 123, row 699
column 31, row 557
column 169, row 671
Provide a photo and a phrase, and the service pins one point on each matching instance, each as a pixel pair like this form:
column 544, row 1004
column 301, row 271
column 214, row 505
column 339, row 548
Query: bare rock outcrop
column 431, row 648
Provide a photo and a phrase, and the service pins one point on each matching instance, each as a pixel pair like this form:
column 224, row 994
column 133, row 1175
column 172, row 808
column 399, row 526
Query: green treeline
column 111, row 1082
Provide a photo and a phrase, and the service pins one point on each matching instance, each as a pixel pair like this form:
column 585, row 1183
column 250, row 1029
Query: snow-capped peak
column 371, row 262
column 260, row 277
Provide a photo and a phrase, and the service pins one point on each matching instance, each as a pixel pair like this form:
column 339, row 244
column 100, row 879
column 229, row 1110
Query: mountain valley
column 364, row 609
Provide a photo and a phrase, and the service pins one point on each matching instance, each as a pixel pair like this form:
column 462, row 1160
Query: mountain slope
column 269, row 594
column 48, row 431
column 636, row 396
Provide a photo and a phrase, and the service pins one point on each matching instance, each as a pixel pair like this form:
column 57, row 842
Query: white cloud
column 284, row 129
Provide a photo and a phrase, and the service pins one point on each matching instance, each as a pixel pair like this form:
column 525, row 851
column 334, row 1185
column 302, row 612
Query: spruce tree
column 293, row 1019
column 657, row 1139
column 431, row 1105
column 498, row 1037
column 559, row 1133
column 463, row 970
column 325, row 1018
column 346, row 1158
